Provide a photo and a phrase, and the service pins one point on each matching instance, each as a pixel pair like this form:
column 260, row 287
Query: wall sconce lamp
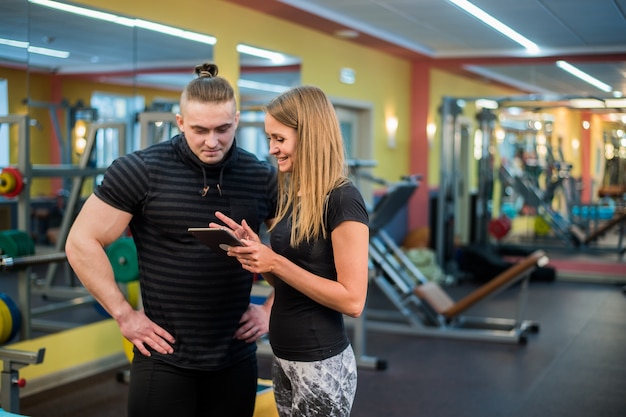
column 80, row 118
column 80, row 136
column 431, row 130
column 391, row 124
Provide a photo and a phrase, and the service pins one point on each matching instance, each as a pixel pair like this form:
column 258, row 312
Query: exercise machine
column 422, row 307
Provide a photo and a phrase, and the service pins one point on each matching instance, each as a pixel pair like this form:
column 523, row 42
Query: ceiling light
column 615, row 103
column 49, row 52
column 587, row 103
column 125, row 21
column 35, row 49
column 565, row 66
column 255, row 85
column 275, row 57
column 486, row 18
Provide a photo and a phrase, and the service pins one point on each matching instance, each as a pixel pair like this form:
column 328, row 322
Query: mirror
column 13, row 59
column 260, row 80
column 82, row 69
column 75, row 75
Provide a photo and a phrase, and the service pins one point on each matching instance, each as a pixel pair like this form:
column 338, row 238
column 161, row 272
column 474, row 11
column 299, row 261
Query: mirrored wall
column 60, row 68
column 91, row 88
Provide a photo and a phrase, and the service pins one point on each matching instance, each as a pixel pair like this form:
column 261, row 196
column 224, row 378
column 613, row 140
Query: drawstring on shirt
column 205, row 189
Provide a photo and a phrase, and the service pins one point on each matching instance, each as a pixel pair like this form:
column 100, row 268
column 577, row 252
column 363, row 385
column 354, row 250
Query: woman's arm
column 350, row 249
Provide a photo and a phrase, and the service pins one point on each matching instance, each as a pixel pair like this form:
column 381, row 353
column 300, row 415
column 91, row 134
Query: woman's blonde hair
column 319, row 161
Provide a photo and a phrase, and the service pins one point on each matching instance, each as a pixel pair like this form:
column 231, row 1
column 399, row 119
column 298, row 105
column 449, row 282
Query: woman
column 318, row 260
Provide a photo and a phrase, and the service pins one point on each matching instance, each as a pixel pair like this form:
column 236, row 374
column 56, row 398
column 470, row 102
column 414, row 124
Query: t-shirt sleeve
column 346, row 204
column 125, row 183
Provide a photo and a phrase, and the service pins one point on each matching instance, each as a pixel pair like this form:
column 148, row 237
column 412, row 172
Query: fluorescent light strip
column 484, row 17
column 11, row 42
column 261, row 53
column 49, row 52
column 35, row 49
column 254, row 85
column 565, row 66
column 125, row 21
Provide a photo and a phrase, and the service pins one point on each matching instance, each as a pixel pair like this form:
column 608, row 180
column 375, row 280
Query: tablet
column 218, row 239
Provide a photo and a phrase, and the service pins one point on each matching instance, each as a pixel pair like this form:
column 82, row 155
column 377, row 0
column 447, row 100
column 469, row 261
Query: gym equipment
column 618, row 219
column 449, row 311
column 148, row 122
column 123, row 257
column 11, row 182
column 16, row 243
column 10, row 381
column 399, row 279
column 483, row 263
column 500, row 227
column 10, row 318
column 72, row 355
column 453, row 193
column 7, row 262
column 75, row 176
column 550, row 219
column 23, row 264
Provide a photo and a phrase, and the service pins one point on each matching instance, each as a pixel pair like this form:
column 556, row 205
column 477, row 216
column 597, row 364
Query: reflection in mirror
column 263, row 75
column 13, row 67
column 76, row 76
column 116, row 70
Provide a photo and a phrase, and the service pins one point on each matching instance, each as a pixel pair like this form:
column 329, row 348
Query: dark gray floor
column 575, row 366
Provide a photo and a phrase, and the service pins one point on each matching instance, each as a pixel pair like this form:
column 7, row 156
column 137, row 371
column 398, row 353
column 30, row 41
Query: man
column 194, row 339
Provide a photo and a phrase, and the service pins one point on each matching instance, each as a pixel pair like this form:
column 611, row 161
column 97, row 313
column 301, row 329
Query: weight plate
column 123, row 257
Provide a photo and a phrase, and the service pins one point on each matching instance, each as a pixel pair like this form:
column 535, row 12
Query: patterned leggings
column 320, row 388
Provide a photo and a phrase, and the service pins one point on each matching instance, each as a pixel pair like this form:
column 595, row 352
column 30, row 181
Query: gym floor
column 575, row 366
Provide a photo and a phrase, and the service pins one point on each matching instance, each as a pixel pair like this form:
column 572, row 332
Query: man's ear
column 179, row 122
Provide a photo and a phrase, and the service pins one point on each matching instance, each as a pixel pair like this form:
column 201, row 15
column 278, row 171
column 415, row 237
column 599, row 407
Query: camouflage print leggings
column 320, row 388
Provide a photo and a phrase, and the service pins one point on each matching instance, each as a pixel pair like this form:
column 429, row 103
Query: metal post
column 447, row 189
column 486, row 119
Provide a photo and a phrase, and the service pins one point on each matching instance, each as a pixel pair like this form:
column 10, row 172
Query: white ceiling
column 590, row 34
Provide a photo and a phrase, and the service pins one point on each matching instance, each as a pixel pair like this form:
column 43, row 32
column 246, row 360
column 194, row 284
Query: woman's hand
column 253, row 251
column 242, row 231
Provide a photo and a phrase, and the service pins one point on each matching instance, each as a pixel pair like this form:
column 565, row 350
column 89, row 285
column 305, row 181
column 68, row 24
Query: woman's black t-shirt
column 300, row 328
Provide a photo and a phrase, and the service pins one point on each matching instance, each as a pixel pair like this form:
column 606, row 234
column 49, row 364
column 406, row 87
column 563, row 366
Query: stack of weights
column 13, row 243
column 10, row 318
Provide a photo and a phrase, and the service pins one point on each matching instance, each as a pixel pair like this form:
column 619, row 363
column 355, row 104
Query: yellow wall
column 382, row 81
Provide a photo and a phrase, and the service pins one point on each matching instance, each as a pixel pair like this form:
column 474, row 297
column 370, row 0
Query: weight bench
column 421, row 306
column 447, row 314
